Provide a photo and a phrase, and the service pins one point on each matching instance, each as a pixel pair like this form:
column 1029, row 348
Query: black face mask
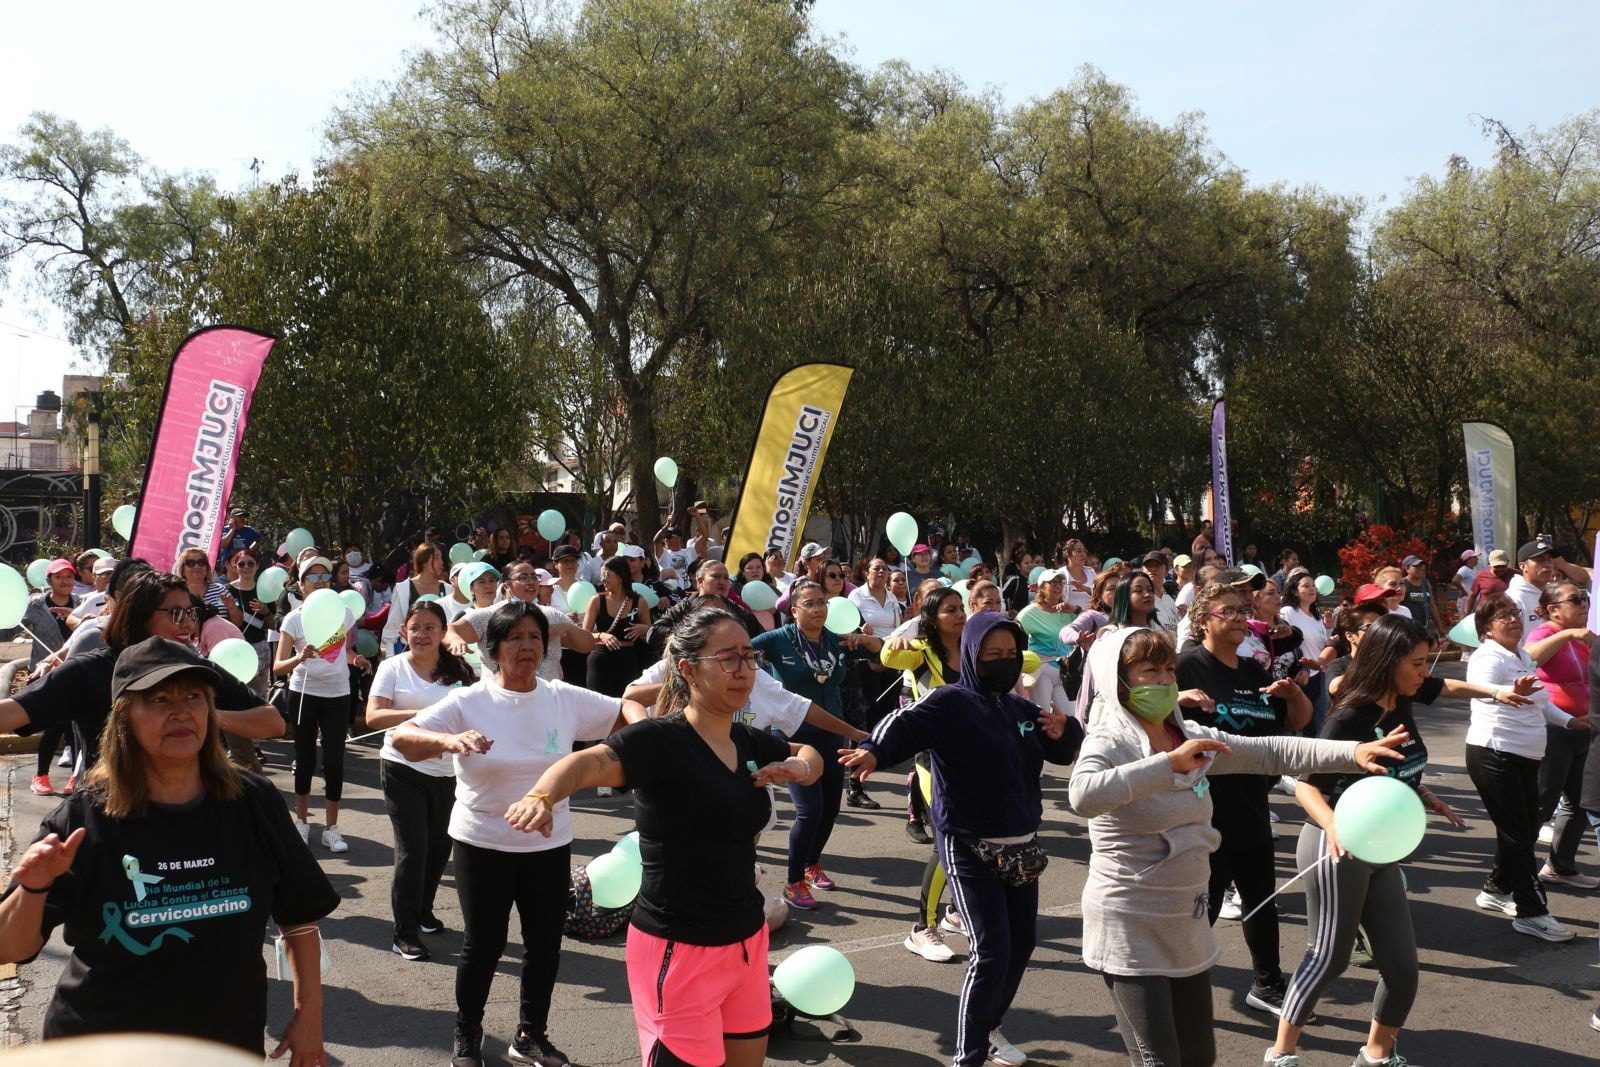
column 999, row 675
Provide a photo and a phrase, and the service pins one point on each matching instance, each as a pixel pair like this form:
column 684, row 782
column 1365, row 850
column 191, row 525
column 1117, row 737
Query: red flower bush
column 1377, row 546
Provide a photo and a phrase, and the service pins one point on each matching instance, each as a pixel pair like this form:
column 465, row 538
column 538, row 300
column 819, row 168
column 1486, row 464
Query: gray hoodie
column 1144, row 902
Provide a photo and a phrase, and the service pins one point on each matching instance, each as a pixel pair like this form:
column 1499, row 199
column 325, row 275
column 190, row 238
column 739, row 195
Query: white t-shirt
column 678, row 559
column 89, row 607
column 1186, row 596
column 530, row 731
column 407, row 690
column 771, row 706
column 1466, row 575
column 883, row 618
column 1076, row 598
column 1314, row 634
column 1166, row 613
column 327, row 675
column 560, row 623
column 1501, row 727
column 1526, row 595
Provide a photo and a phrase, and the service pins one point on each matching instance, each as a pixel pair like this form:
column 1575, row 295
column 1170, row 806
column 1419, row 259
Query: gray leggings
column 1165, row 1022
column 1339, row 897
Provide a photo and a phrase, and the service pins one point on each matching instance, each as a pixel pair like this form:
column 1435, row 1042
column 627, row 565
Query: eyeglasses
column 316, row 579
column 519, row 577
column 1506, row 616
column 1231, row 614
column 730, row 661
column 177, row 615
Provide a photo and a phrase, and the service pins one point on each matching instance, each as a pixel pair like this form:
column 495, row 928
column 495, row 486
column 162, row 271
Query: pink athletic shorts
column 691, row 997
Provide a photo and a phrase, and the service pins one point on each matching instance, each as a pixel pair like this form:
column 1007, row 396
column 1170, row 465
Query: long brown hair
column 136, row 601
column 120, row 778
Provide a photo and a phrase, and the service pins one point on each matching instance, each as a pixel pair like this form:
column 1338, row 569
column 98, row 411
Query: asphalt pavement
column 1488, row 995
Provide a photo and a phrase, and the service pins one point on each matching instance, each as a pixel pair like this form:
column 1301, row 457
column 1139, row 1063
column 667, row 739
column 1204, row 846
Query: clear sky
column 1360, row 97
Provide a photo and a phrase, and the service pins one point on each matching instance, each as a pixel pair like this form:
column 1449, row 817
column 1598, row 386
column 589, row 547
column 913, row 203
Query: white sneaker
column 1274, row 1058
column 66, row 757
column 1003, row 1052
column 1272, row 816
column 1285, row 785
column 305, row 830
column 1547, row 833
column 1552, row 876
column 1500, row 902
column 953, row 923
column 927, row 943
column 1594, row 1021
column 1544, row 926
column 1230, row 905
column 333, row 840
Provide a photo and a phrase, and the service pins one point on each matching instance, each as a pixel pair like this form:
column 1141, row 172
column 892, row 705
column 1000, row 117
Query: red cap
column 59, row 565
column 1371, row 592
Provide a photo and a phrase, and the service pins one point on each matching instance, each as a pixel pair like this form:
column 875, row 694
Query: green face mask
column 1153, row 703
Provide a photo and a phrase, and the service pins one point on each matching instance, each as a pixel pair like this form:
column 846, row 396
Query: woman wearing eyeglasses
column 256, row 618
column 1504, row 747
column 147, row 604
column 1559, row 646
column 318, row 703
column 195, row 570
column 1241, row 698
column 812, row 662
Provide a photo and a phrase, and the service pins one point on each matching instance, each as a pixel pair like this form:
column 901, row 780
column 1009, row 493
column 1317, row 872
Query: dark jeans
column 1165, row 1022
column 1254, row 872
column 489, row 883
column 1002, row 923
column 419, row 810
column 1561, row 778
column 329, row 716
column 816, row 806
column 1509, row 786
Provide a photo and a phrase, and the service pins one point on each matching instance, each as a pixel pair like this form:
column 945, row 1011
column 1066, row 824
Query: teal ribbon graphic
column 112, row 913
column 552, row 740
column 130, row 867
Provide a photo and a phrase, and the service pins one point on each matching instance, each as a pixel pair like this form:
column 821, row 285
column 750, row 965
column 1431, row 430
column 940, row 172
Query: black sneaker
column 917, row 830
column 407, row 947
column 469, row 1047
column 858, row 798
column 430, row 924
column 1267, row 997
column 526, row 1048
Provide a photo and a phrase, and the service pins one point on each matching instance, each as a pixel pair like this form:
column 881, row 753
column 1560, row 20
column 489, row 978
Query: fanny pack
column 1017, row 864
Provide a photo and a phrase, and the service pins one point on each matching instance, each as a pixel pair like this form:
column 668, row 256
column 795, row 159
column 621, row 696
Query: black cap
column 1238, row 577
column 1532, row 549
column 564, row 552
column 1154, row 557
column 154, row 660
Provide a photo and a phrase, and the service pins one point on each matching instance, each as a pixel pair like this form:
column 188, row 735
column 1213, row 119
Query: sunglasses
column 177, row 615
column 317, row 579
column 195, row 563
column 246, row 564
column 1581, row 598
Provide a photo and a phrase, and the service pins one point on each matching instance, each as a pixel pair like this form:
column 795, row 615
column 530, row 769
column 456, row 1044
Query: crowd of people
column 1178, row 688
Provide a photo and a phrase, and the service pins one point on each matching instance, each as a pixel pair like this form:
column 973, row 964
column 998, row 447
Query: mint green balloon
column 759, row 596
column 237, row 658
column 13, row 597
column 551, row 524
column 667, row 471
column 951, row 571
column 460, row 552
column 298, row 541
column 1465, row 633
column 354, row 601
column 122, row 521
column 36, row 573
column 966, row 565
column 478, row 555
column 650, row 597
column 964, row 588
column 1379, row 820
column 578, row 596
column 843, row 616
column 628, row 844
column 614, row 879
column 817, row 980
column 322, row 616
column 270, row 586
column 1325, row 584
column 366, row 643
column 902, row 531
column 1033, row 575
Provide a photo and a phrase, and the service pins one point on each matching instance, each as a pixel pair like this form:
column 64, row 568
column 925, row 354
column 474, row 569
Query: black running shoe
column 526, row 1048
column 407, row 947
column 469, row 1047
column 430, row 924
column 917, row 830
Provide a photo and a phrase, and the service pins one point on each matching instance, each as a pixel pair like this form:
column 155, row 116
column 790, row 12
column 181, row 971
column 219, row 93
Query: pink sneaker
column 817, row 878
column 799, row 896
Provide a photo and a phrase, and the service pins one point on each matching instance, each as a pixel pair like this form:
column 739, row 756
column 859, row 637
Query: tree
column 113, row 238
column 640, row 160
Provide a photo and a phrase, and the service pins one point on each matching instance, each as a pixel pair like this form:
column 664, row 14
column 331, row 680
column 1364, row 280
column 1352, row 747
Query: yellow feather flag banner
column 786, row 459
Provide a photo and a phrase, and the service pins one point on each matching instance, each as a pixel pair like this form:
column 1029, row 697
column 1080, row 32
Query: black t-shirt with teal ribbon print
column 165, row 915
column 1369, row 722
column 1238, row 801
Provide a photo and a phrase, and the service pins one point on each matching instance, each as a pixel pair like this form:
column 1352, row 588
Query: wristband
column 30, row 889
column 534, row 794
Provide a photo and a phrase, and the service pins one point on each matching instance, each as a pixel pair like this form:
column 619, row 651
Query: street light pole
column 91, row 481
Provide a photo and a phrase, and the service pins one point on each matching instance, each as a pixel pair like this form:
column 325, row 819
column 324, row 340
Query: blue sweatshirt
column 986, row 750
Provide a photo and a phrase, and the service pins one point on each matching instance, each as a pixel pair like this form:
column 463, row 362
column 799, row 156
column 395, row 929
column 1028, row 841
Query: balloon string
column 1286, row 885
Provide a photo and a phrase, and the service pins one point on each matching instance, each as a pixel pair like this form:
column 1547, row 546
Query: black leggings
column 419, row 811
column 329, row 716
column 1254, row 872
column 489, row 882
column 816, row 806
column 1165, row 1022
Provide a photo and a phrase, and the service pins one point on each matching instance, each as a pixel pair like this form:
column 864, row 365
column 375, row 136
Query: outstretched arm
column 586, row 769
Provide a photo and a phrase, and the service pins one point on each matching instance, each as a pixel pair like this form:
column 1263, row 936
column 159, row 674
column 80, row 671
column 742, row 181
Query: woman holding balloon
column 1362, row 887
column 256, row 613
column 811, row 658
column 316, row 649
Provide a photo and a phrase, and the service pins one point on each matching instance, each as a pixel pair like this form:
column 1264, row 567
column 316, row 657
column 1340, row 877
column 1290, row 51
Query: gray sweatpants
column 1339, row 898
